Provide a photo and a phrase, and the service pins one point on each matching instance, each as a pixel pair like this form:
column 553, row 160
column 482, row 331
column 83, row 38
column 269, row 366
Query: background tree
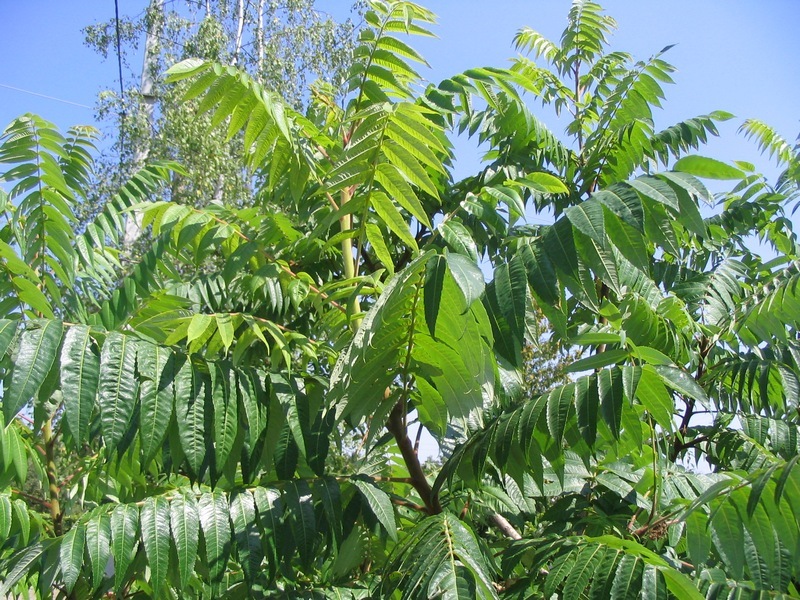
column 546, row 359
column 283, row 46
column 350, row 298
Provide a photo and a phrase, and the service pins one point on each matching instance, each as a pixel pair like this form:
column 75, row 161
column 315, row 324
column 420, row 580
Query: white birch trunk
column 260, row 40
column 237, row 48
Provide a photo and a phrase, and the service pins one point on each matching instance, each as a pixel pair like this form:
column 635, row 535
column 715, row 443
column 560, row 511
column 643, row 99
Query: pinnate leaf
column 98, row 546
column 80, row 373
column 155, row 537
column 117, row 387
column 156, row 392
column 434, row 282
column 380, row 505
column 124, row 526
column 185, row 525
column 708, row 168
column 467, row 276
column 71, row 555
column 214, row 520
column 38, row 348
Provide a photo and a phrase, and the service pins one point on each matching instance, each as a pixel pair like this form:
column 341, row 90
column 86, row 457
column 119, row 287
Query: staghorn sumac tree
column 198, row 410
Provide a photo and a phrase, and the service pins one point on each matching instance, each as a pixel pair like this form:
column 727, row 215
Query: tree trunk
column 237, row 48
column 260, row 40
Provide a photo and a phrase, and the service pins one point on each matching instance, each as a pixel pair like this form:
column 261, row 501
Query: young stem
column 50, row 467
column 397, row 428
column 577, row 73
column 348, row 260
column 504, row 526
column 689, row 412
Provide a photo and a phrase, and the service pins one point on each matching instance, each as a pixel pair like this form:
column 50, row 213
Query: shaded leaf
column 380, row 505
column 434, row 282
column 300, row 507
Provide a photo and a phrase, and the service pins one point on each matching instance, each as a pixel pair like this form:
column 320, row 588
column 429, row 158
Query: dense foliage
column 168, row 434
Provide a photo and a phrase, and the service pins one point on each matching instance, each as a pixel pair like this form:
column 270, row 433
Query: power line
column 16, row 89
column 119, row 51
column 121, row 84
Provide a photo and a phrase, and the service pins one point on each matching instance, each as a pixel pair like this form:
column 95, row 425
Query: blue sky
column 734, row 55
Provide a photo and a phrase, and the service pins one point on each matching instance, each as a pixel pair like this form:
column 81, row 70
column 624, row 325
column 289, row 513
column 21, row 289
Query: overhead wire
column 16, row 89
column 121, row 81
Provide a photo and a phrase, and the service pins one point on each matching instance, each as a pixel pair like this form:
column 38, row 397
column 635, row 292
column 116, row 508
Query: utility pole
column 155, row 18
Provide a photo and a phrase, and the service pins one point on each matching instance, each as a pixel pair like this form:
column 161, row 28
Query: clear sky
column 735, row 55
